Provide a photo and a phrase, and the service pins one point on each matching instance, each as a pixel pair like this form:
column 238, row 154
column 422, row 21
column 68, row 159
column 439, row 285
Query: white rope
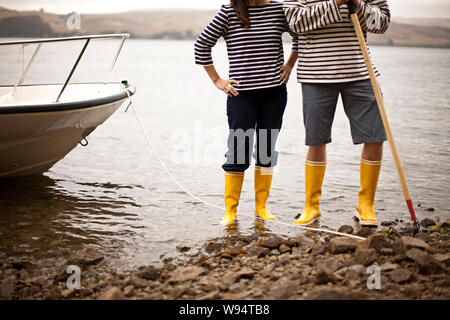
column 25, row 71
column 163, row 165
column 21, row 56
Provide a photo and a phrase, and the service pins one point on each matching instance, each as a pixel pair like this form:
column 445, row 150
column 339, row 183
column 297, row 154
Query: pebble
column 325, row 275
column 388, row 223
column 400, row 275
column 272, row 243
column 388, row 267
column 426, row 263
column 68, row 293
column 427, row 222
column 284, row 248
column 341, row 245
column 365, row 256
column 183, row 248
column 410, row 242
column 283, row 289
column 112, row 294
column 346, row 229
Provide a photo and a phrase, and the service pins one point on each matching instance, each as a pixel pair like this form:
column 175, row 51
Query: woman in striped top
column 331, row 64
column 256, row 91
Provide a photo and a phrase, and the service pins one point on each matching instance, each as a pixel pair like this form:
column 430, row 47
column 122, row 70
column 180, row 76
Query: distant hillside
column 435, row 22
column 401, row 34
column 187, row 24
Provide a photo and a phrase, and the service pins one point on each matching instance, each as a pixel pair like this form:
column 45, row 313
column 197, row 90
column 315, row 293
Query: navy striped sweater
column 255, row 54
column 328, row 46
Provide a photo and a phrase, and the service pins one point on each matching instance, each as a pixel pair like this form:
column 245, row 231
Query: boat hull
column 32, row 142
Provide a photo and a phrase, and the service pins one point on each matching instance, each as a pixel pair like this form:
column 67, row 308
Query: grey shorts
column 360, row 106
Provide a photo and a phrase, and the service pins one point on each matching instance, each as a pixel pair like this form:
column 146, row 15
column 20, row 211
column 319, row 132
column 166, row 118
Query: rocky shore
column 261, row 266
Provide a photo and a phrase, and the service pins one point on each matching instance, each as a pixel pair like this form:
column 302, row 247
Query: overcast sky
column 399, row 8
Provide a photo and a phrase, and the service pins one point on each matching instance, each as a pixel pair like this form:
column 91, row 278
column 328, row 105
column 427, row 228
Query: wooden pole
column 380, row 102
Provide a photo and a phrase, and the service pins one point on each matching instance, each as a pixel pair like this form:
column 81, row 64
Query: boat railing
column 87, row 39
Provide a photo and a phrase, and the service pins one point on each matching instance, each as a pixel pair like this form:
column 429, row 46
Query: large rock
column 209, row 284
column 22, row 264
column 283, row 289
column 68, row 293
column 443, row 258
column 179, row 290
column 365, row 256
column 231, row 296
column 138, row 283
column 229, row 278
column 39, row 281
column 258, row 252
column 341, row 245
column 301, row 242
column 186, row 274
column 427, row 222
column 245, row 273
column 365, row 232
column 128, row 290
column 150, row 273
column 213, row 246
column 325, row 275
column 387, row 252
column 389, row 267
column 376, row 241
column 284, row 260
column 354, row 273
column 318, row 249
column 86, row 257
column 112, row 294
column 334, row 263
column 7, row 287
column 183, row 248
column 272, row 243
column 398, row 248
column 327, row 293
column 213, row 295
column 400, row 275
column 426, row 263
column 284, row 248
column 346, row 229
column 410, row 243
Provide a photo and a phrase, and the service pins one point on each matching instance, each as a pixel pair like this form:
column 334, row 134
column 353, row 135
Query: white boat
column 41, row 124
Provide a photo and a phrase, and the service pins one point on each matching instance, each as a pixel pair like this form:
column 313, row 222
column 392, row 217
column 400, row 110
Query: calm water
column 114, row 194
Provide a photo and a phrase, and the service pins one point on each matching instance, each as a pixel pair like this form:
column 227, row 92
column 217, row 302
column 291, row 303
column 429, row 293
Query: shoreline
column 260, row 266
column 162, row 38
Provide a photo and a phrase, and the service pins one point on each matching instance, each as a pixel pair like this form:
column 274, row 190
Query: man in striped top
column 331, row 63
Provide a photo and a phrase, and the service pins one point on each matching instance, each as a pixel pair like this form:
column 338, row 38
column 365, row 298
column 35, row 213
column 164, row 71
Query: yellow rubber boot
column 263, row 181
column 314, row 174
column 233, row 188
column 365, row 211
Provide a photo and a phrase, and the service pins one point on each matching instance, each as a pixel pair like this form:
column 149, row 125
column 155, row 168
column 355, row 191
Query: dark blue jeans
column 259, row 111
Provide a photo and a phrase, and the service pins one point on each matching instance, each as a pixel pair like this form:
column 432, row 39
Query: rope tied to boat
column 84, row 142
column 186, row 191
column 21, row 56
column 25, row 70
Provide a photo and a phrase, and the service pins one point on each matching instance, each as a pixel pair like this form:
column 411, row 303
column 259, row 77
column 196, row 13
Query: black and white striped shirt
column 328, row 46
column 255, row 54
